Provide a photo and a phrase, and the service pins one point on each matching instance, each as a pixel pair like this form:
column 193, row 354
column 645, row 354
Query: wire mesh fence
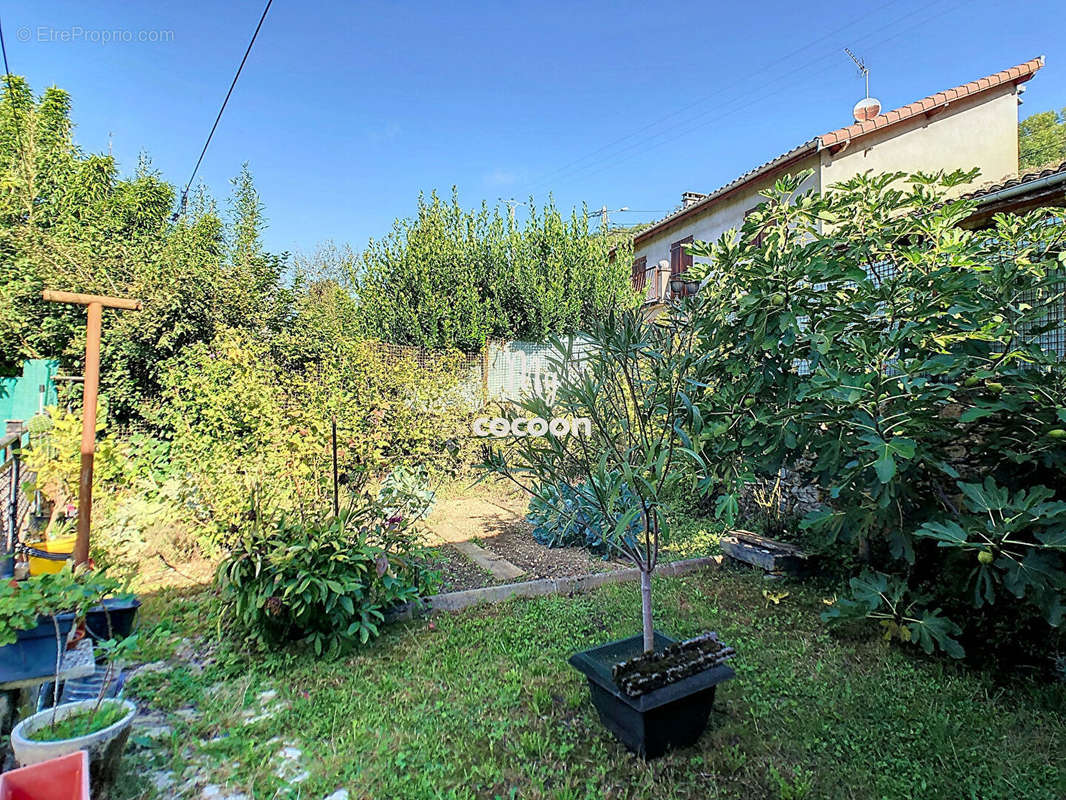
column 502, row 371
column 16, row 504
column 513, row 369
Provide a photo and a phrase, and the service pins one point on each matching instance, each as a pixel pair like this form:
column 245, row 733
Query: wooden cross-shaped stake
column 96, row 305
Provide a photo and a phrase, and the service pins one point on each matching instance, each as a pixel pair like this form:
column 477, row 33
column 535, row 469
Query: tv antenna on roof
column 868, row 108
column 863, row 69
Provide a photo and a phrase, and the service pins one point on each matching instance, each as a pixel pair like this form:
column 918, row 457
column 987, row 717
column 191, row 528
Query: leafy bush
column 239, row 420
column 22, row 603
column 53, row 462
column 564, row 515
column 405, row 493
column 455, row 278
column 867, row 332
column 326, row 583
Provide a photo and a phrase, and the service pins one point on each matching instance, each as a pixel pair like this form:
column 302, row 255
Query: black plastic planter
column 122, row 611
column 34, row 653
column 673, row 716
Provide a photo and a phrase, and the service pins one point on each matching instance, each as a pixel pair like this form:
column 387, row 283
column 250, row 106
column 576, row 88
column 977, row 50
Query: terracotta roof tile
column 1022, row 72
column 1018, row 74
column 1015, row 180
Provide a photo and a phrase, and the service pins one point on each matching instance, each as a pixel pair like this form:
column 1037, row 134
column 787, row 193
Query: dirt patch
column 459, row 572
column 496, row 522
column 514, row 541
column 157, row 573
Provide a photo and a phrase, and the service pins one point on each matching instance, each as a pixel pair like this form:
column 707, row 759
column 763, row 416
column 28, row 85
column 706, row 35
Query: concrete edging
column 456, row 601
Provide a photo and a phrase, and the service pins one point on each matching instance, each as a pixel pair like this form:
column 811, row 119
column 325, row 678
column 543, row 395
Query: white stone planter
column 105, row 746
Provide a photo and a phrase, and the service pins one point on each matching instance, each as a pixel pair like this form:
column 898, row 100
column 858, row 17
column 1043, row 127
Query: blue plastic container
column 122, row 612
column 33, row 655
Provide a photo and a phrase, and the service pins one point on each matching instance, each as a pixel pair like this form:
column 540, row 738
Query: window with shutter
column 680, row 258
column 758, row 237
column 640, row 273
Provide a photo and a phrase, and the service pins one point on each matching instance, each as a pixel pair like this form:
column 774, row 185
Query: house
column 1018, row 194
column 973, row 125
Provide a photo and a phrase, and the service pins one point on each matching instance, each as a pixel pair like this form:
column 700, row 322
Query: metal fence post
column 7, row 557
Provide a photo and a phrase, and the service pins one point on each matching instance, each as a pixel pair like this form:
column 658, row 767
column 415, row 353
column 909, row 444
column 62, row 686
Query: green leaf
column 987, row 496
column 948, row 533
column 887, row 451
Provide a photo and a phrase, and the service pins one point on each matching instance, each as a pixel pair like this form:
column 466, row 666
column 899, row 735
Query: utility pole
column 96, row 305
column 605, row 220
column 511, row 207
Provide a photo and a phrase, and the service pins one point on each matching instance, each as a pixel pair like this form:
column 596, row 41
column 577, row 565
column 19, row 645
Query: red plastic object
column 63, row 778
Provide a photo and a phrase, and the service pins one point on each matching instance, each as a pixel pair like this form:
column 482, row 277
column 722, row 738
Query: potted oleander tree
column 638, row 382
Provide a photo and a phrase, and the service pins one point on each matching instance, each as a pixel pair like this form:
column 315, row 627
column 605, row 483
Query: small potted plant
column 639, row 389
column 36, row 616
column 101, row 726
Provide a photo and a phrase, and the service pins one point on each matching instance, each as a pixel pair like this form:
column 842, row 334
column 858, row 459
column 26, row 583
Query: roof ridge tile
column 1016, row 74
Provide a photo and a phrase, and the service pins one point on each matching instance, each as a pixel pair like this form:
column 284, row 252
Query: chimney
column 690, row 198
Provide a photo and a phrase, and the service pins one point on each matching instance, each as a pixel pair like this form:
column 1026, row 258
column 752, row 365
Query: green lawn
column 482, row 705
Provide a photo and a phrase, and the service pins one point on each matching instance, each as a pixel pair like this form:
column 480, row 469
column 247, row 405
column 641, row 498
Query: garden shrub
column 405, row 493
column 53, row 461
column 139, row 508
column 455, row 278
column 239, row 420
column 866, row 332
column 324, row 582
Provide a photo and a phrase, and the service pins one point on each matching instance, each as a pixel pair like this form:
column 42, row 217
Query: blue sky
column 346, row 110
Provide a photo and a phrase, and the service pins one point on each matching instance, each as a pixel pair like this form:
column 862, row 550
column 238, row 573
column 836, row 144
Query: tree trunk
column 645, row 607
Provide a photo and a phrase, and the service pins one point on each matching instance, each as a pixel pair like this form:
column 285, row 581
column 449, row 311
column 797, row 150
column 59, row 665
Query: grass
column 482, row 704
column 80, row 724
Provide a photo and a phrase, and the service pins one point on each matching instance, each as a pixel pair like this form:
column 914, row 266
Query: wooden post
column 95, row 305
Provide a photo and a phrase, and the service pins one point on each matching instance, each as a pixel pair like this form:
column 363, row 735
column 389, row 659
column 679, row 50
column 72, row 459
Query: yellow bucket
column 42, row 566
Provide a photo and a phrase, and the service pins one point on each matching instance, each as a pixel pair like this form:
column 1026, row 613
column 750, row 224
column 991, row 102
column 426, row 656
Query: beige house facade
column 974, row 125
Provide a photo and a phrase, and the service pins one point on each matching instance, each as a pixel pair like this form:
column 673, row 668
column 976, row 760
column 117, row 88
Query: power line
column 1050, row 147
column 649, row 143
column 696, row 122
column 185, row 191
column 11, row 95
column 678, row 111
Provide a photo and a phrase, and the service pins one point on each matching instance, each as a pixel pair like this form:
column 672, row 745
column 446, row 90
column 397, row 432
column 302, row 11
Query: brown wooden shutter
column 680, row 259
column 758, row 237
column 640, row 273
